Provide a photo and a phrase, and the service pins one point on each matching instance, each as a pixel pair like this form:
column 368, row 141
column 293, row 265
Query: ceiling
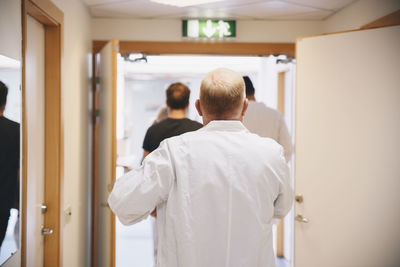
column 232, row 9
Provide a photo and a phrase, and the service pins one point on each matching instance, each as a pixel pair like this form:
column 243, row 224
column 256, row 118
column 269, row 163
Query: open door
column 347, row 149
column 104, row 154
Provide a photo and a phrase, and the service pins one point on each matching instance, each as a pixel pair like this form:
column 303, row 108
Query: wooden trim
column 114, row 56
column 53, row 147
column 281, row 108
column 35, row 12
column 51, row 17
column 113, row 158
column 202, row 48
column 24, row 173
column 97, row 46
column 281, row 92
column 392, row 19
column 386, row 21
column 46, row 10
column 280, row 239
column 95, row 158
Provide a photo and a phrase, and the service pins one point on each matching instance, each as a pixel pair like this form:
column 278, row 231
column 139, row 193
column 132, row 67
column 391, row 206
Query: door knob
column 46, row 231
column 43, row 208
column 300, row 218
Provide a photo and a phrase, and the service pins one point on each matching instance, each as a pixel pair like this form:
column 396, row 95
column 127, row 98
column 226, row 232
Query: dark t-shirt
column 168, row 128
column 9, row 163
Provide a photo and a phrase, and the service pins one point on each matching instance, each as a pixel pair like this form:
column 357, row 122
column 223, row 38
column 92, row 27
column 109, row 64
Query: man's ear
column 245, row 105
column 197, row 104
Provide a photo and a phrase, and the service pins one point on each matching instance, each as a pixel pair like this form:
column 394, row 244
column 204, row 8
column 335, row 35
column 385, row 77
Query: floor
column 134, row 245
column 281, row 262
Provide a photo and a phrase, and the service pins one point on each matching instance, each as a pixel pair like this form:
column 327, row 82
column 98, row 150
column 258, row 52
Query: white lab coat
column 216, row 191
column 268, row 122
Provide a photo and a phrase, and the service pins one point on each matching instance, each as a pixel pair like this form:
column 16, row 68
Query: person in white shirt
column 216, row 189
column 265, row 121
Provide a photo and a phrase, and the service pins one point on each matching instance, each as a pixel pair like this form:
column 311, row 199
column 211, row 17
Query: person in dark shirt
column 9, row 164
column 176, row 124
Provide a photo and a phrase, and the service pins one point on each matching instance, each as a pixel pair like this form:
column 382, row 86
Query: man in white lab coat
column 266, row 121
column 216, row 189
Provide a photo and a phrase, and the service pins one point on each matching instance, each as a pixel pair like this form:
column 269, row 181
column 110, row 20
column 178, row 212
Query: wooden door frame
column 52, row 18
column 202, row 48
column 95, row 157
column 162, row 48
column 280, row 252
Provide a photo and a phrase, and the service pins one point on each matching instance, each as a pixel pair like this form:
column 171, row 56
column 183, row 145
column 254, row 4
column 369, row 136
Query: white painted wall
column 360, row 13
column 75, row 93
column 10, row 29
column 171, row 30
column 353, row 16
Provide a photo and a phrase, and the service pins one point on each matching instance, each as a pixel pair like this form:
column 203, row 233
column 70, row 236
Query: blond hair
column 222, row 92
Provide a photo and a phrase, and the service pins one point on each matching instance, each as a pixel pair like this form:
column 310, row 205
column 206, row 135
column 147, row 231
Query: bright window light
column 183, row 3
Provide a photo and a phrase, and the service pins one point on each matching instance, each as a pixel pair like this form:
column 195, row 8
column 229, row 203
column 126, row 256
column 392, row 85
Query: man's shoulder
column 158, row 126
column 260, row 110
column 9, row 123
column 266, row 108
column 195, row 124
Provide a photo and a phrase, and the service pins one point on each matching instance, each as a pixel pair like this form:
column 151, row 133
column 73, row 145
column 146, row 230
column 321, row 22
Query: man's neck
column 177, row 113
column 1, row 112
column 208, row 118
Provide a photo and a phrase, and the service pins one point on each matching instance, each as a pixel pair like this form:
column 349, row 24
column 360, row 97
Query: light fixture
column 183, row 3
column 135, row 57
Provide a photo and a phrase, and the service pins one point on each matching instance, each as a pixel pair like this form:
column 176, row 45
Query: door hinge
column 96, row 116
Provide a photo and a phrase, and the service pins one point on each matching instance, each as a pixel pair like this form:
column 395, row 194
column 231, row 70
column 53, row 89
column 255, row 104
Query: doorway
column 105, row 57
column 42, row 133
column 141, row 83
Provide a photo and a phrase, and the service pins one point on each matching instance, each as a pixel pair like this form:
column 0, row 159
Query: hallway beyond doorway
column 141, row 94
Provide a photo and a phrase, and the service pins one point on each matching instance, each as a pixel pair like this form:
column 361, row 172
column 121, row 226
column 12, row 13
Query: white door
column 106, row 123
column 347, row 149
column 35, row 131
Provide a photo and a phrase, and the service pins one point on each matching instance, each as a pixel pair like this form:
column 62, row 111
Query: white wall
column 353, row 16
column 75, row 93
column 171, row 30
column 360, row 13
column 10, row 28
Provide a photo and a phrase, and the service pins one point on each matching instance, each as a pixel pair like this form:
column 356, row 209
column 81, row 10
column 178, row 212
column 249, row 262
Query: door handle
column 43, row 208
column 300, row 218
column 46, row 231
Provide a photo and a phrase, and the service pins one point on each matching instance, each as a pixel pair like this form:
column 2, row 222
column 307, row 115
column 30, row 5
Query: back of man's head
column 249, row 86
column 222, row 93
column 3, row 94
column 177, row 96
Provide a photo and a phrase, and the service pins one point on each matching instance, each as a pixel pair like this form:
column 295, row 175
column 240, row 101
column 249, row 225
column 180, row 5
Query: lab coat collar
column 225, row 125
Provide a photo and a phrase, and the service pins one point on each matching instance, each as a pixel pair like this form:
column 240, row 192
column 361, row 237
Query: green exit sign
column 195, row 28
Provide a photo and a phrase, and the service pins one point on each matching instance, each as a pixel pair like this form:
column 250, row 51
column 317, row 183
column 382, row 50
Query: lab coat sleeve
column 138, row 192
column 284, row 201
column 285, row 140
